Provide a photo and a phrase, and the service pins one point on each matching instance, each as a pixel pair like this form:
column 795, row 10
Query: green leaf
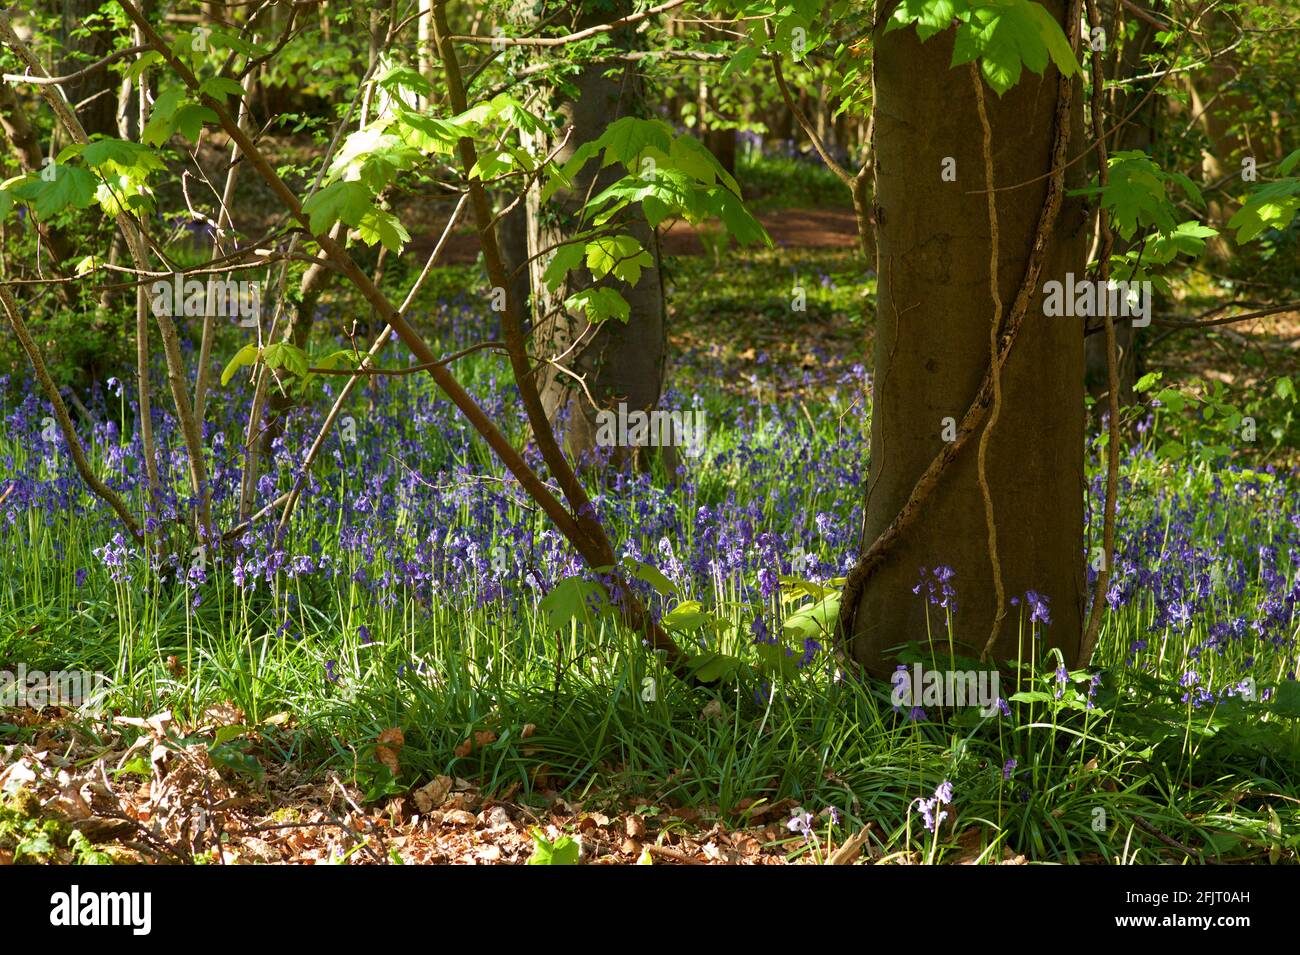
column 71, row 187
column 1008, row 34
column 224, row 734
column 142, row 63
column 694, row 158
column 651, row 574
column 1286, row 699
column 625, row 139
column 573, row 599
column 403, row 78
column 620, row 254
column 190, row 119
column 567, row 257
column 563, row 851
column 346, row 202
column 930, row 16
column 245, row 356
column 162, row 120
column 740, row 222
column 711, row 667
column 741, row 62
column 120, row 155
column 286, row 355
column 689, row 615
column 1272, row 206
column 815, row 620
column 219, row 87
column 599, row 304
column 382, row 226
column 1147, row 382
column 778, row 658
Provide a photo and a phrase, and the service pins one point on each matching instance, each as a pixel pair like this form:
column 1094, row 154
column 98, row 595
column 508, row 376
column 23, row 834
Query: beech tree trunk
column 932, row 350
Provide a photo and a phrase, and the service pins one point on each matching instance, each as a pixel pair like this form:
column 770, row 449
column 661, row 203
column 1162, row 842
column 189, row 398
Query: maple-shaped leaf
column 619, row 254
column 1272, row 206
column 930, row 16
column 70, row 187
column 1008, row 34
column 566, row 258
column 345, row 202
column 599, row 304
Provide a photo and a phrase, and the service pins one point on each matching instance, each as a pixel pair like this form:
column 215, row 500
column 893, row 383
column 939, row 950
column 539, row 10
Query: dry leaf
column 433, row 794
column 390, row 745
column 634, row 826
column 459, row 817
column 528, row 730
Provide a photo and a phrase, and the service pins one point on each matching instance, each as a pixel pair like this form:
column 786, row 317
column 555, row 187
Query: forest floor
column 145, row 791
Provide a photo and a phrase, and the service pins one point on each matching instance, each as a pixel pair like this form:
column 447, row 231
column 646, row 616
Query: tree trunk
column 932, row 350
column 619, row 362
column 1139, row 132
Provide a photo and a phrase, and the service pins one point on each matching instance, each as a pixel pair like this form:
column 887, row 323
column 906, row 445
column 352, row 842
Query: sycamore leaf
column 380, row 225
column 345, row 202
column 123, row 156
column 620, row 254
column 815, row 620
column 741, row 62
column 71, row 187
column 930, row 16
column 190, row 119
column 566, row 258
column 398, row 79
column 689, row 615
column 1188, row 239
column 1272, row 206
column 245, row 356
column 563, row 851
column 711, row 667
column 694, row 158
column 599, row 304
column 427, row 134
column 162, row 120
column 572, row 599
column 651, row 574
column 142, row 63
column 219, row 87
column 740, row 222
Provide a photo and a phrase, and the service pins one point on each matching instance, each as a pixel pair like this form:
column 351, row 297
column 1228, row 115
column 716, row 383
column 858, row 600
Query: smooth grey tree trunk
column 933, row 315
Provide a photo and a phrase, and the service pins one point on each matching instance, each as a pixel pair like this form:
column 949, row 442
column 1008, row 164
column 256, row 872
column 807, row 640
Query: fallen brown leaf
column 390, row 745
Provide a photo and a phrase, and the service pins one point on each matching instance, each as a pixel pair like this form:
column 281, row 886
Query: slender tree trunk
column 932, row 351
column 618, row 362
column 1139, row 132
